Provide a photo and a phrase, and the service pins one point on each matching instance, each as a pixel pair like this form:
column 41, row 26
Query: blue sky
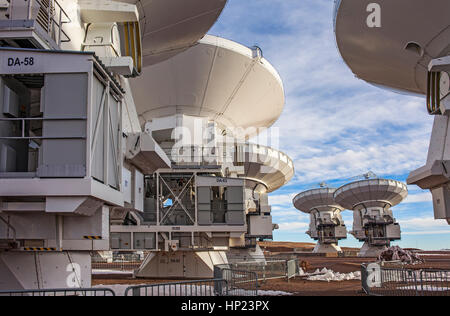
column 334, row 126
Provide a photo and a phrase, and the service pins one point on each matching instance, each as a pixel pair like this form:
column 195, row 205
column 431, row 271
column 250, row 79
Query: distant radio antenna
column 366, row 176
column 321, row 185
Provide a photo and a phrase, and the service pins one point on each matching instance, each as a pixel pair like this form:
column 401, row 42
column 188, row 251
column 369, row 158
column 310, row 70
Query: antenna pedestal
column 236, row 255
column 327, row 248
column 371, row 251
column 181, row 264
column 327, row 225
column 45, row 270
column 435, row 175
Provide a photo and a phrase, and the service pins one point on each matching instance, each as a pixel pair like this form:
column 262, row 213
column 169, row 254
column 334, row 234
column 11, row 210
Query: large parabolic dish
column 397, row 54
column 316, row 199
column 273, row 168
column 371, row 193
column 217, row 78
column 169, row 27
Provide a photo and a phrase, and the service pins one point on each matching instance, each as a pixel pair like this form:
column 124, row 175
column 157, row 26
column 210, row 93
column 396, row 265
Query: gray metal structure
column 214, row 198
column 80, row 173
column 379, row 280
column 327, row 225
column 61, row 167
column 371, row 201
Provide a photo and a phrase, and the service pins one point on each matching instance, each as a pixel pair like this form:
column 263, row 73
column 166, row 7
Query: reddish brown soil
column 299, row 287
column 279, row 246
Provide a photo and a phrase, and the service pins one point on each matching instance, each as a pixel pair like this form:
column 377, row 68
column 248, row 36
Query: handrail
column 51, row 9
column 185, row 285
column 55, row 292
column 402, row 281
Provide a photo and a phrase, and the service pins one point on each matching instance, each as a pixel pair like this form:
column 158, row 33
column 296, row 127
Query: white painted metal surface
column 373, row 220
column 273, row 168
column 322, row 198
column 395, row 55
column 77, row 195
column 181, row 264
column 327, row 225
column 45, row 270
column 219, row 79
column 371, row 193
column 169, row 27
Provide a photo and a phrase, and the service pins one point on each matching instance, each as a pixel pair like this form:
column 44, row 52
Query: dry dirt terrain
column 299, row 286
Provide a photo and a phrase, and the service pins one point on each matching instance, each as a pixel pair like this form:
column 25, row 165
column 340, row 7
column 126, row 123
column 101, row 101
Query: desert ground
column 299, row 286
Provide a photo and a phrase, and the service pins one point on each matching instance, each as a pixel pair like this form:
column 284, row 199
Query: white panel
column 139, row 191
column 261, row 226
column 10, row 102
column 126, row 185
column 7, row 159
column 98, row 157
column 218, row 79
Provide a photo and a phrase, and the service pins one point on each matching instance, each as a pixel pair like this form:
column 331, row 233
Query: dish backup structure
column 327, row 225
column 404, row 46
column 373, row 220
column 93, row 95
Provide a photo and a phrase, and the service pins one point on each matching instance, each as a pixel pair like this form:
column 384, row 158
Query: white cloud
column 286, row 213
column 298, row 227
column 425, row 223
column 334, row 126
column 282, row 199
column 419, row 198
column 432, row 232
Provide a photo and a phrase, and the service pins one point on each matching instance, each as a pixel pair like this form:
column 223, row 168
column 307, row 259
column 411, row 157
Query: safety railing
column 124, row 262
column 382, row 281
column 434, row 283
column 202, row 288
column 51, row 17
column 239, row 282
column 61, row 292
column 271, row 269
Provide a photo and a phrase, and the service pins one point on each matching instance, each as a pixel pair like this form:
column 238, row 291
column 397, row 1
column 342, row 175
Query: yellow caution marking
column 434, row 93
column 92, row 237
column 38, row 249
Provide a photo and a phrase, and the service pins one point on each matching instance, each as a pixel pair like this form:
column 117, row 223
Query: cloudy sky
column 334, row 126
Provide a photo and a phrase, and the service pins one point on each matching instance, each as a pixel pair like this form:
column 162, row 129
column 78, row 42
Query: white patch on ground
column 274, row 293
column 331, row 276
